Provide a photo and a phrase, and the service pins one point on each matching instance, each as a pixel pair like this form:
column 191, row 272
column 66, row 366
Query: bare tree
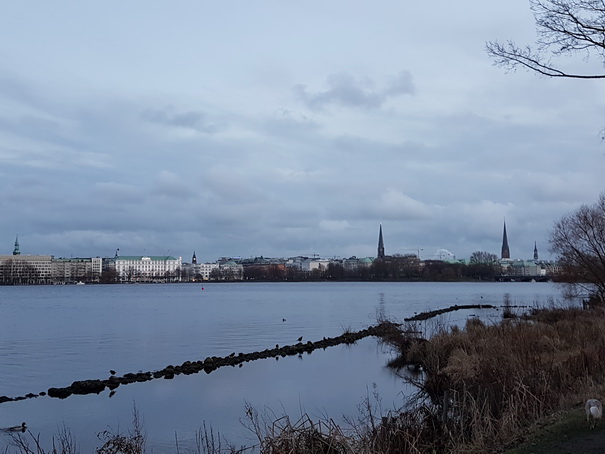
column 579, row 241
column 483, row 257
column 563, row 27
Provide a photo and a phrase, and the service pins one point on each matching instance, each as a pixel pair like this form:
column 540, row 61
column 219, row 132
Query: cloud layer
column 283, row 129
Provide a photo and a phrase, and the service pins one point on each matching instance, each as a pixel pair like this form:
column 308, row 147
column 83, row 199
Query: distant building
column 72, row 270
column 231, row 271
column 309, row 265
column 353, row 263
column 138, row 268
column 20, row 269
column 527, row 268
column 505, row 250
column 380, row 244
column 296, row 262
column 200, row 271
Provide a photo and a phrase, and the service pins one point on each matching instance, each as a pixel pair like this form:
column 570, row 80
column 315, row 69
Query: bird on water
column 20, row 428
column 300, row 339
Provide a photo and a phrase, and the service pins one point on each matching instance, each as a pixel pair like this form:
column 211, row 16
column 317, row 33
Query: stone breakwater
column 208, row 365
column 386, row 330
column 430, row 314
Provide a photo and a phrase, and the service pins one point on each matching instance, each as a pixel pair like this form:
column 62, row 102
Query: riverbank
column 484, row 385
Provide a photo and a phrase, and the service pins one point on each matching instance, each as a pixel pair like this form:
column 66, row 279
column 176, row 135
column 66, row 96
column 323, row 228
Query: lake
column 51, row 336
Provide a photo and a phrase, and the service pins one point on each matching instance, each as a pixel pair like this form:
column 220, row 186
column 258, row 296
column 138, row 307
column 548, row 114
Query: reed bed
column 485, row 384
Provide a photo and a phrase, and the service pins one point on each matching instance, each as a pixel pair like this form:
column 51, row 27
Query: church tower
column 194, row 259
column 535, row 250
column 16, row 250
column 380, row 244
column 505, row 250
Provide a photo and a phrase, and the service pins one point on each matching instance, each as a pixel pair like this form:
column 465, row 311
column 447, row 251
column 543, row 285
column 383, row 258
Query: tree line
column 391, row 268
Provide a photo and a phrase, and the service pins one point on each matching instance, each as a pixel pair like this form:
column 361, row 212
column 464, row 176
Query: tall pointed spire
column 16, row 250
column 380, row 244
column 535, row 250
column 505, row 249
column 194, row 259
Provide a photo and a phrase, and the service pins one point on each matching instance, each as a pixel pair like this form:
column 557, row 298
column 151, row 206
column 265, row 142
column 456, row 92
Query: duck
column 20, row 428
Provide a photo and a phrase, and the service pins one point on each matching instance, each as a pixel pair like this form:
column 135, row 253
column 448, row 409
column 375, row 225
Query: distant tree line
column 391, row 268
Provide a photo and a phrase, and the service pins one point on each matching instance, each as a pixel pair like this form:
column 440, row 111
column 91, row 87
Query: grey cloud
column 401, row 84
column 290, row 123
column 111, row 191
column 346, row 90
column 169, row 184
column 188, row 119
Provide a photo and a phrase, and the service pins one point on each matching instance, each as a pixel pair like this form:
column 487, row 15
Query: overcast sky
column 278, row 128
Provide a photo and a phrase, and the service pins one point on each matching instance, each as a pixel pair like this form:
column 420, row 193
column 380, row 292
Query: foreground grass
column 484, row 389
column 562, row 433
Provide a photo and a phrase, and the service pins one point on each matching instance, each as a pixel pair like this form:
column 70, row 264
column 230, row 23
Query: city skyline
column 284, row 129
column 381, row 252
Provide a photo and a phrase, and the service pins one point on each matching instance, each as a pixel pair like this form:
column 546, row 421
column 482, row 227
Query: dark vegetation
column 579, row 240
column 391, row 268
column 485, row 384
column 481, row 388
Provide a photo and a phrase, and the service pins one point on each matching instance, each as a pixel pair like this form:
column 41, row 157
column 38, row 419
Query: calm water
column 51, row 336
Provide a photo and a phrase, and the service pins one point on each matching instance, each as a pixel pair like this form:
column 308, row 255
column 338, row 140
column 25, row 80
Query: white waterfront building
column 152, row 268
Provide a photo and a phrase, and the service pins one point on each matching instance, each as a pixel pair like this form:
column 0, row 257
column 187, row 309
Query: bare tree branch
column 564, row 27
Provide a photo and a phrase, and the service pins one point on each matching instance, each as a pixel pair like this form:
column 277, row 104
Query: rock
column 60, row 393
column 87, row 387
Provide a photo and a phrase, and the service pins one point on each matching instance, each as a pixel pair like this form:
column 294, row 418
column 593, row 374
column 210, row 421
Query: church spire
column 16, row 250
column 535, row 250
column 380, row 244
column 194, row 259
column 505, row 249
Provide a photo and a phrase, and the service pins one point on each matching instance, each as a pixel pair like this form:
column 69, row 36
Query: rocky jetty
column 210, row 364
column 455, row 307
column 385, row 330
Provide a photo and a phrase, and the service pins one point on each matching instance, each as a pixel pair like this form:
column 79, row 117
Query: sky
column 277, row 129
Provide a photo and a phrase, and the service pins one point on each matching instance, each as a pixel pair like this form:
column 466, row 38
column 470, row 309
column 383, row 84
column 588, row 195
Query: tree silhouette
column 579, row 241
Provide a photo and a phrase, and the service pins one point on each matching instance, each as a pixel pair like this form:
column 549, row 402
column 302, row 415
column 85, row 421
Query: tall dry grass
column 486, row 384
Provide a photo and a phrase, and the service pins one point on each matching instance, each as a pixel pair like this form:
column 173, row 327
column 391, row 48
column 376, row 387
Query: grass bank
column 488, row 387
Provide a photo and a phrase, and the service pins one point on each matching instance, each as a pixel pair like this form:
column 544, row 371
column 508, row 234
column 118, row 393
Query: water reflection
column 53, row 336
column 380, row 309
